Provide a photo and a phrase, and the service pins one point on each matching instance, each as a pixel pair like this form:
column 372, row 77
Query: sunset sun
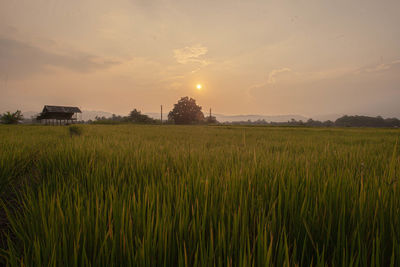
column 199, row 86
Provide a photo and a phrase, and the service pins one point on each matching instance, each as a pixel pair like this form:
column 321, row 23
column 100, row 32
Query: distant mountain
column 233, row 118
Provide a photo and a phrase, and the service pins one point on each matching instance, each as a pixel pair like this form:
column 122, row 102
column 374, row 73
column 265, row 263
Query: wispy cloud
column 191, row 54
column 274, row 73
column 379, row 67
column 19, row 59
column 271, row 79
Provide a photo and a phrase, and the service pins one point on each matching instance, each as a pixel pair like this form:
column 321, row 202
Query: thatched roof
column 60, row 109
column 58, row 113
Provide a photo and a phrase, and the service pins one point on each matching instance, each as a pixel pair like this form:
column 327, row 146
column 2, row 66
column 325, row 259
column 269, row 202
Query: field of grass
column 199, row 196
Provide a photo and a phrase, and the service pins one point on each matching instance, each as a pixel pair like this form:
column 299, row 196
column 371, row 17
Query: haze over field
column 91, row 115
column 308, row 58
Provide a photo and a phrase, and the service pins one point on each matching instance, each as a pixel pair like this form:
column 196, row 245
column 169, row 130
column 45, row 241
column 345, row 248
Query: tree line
column 186, row 111
column 344, row 121
column 135, row 116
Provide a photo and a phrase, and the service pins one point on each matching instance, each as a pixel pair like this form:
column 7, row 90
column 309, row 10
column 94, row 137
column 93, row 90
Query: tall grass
column 200, row 196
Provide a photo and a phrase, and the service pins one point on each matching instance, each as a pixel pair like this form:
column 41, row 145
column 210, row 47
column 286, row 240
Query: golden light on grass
column 214, row 180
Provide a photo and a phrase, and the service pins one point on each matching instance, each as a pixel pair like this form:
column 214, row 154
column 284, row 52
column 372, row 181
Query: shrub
column 11, row 118
column 75, row 130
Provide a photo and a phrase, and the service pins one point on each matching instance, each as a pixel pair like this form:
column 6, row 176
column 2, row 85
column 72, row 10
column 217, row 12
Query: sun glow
column 199, row 86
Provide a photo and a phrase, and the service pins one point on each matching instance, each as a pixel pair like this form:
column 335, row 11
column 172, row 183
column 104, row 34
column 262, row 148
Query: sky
column 270, row 57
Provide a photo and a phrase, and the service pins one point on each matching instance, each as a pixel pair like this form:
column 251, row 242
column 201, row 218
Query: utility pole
column 210, row 113
column 161, row 114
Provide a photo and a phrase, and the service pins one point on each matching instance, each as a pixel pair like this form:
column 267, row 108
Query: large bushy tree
column 11, row 118
column 186, row 111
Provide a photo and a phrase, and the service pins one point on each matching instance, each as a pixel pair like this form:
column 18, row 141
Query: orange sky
column 309, row 58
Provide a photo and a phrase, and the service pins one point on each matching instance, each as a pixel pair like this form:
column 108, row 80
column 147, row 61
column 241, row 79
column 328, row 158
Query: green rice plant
column 131, row 195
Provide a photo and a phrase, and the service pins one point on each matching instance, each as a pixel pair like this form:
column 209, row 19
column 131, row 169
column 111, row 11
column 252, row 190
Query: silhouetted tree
column 313, row 123
column 186, row 111
column 392, row 122
column 117, row 118
column 345, row 121
column 136, row 116
column 328, row 123
column 11, row 118
column 360, row 121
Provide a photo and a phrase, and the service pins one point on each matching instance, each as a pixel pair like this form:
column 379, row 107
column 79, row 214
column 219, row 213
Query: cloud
column 274, row 73
column 379, row 68
column 271, row 80
column 191, row 54
column 20, row 59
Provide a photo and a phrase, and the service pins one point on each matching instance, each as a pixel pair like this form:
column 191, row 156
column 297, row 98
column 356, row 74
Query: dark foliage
column 211, row 120
column 135, row 116
column 345, row 121
column 365, row 121
column 75, row 130
column 186, row 111
column 11, row 118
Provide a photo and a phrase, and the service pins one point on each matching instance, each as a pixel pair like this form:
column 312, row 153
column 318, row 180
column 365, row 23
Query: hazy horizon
column 311, row 58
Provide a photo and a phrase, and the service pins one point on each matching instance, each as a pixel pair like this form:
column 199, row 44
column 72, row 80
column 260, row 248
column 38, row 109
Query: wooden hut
column 58, row 115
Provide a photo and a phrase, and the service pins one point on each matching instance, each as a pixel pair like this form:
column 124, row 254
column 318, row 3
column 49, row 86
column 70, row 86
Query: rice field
column 132, row 195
